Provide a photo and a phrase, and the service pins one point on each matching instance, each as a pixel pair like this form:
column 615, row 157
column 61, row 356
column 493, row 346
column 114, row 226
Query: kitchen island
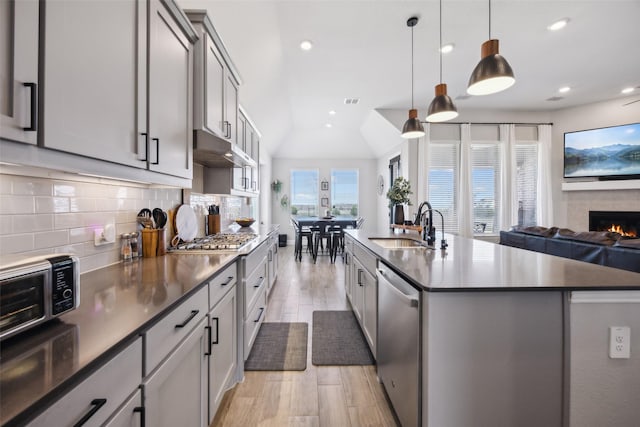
column 508, row 336
column 118, row 303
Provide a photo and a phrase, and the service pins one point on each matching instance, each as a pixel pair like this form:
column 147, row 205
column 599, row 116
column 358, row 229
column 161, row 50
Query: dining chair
column 300, row 234
column 337, row 240
column 321, row 233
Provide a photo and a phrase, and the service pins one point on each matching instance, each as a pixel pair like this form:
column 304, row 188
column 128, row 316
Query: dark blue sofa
column 604, row 248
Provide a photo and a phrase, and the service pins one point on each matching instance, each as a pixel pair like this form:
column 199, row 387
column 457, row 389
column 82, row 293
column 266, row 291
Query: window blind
column 443, row 183
column 485, row 182
column 526, row 177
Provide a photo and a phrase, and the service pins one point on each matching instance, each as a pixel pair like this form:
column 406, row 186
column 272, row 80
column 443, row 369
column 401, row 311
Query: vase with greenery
column 276, row 186
column 398, row 196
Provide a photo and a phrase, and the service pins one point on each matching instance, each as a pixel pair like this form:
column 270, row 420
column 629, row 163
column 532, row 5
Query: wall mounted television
column 606, row 153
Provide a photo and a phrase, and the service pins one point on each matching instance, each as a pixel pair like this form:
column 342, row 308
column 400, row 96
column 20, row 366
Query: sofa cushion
column 535, row 230
column 628, row 243
column 607, row 238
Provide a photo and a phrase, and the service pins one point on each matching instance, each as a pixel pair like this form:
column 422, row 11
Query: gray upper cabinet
column 170, row 94
column 216, row 83
column 96, row 76
column 94, row 79
column 19, row 70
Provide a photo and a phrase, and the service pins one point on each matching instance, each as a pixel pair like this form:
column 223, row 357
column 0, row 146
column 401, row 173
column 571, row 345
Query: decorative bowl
column 245, row 222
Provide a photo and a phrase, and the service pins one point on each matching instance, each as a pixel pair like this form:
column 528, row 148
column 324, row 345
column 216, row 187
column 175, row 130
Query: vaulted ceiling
column 362, row 49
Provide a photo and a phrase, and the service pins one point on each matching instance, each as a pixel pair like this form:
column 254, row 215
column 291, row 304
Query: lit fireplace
column 618, row 229
column 624, row 223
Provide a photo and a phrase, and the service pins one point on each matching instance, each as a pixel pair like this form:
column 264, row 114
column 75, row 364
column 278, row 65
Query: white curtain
column 465, row 195
column 544, row 206
column 508, row 214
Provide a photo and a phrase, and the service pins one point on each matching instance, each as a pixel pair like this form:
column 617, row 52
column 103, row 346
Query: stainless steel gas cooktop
column 216, row 242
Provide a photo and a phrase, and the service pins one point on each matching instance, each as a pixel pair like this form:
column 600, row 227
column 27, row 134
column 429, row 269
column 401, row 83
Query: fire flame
column 618, row 229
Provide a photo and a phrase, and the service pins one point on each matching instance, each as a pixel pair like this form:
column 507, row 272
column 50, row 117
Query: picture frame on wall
column 324, row 202
column 324, row 185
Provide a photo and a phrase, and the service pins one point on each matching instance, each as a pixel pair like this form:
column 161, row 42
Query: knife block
column 213, row 224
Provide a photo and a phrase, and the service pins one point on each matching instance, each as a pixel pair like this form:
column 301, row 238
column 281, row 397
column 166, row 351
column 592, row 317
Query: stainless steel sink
column 398, row 243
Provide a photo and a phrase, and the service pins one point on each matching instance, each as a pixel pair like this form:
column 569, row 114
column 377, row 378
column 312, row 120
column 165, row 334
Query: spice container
column 125, row 248
column 135, row 251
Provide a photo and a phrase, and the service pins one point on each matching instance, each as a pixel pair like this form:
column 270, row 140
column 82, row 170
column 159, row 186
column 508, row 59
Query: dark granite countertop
column 117, row 303
column 472, row 265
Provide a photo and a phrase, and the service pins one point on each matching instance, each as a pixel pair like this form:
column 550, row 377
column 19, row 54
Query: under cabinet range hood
column 212, row 151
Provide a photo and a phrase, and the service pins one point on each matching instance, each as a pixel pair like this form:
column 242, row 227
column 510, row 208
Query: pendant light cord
column 489, row 20
column 440, row 47
column 412, row 66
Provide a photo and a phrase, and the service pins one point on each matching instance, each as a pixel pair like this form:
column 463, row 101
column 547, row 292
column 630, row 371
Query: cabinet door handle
column 217, row 323
column 33, row 124
column 146, row 146
column 140, row 410
column 229, row 126
column 157, row 140
column 229, row 280
column 359, row 277
column 270, row 257
column 259, row 315
column 346, row 258
column 96, row 405
column 208, row 352
column 259, row 282
column 188, row 319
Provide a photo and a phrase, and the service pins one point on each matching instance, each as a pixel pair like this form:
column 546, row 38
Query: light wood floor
column 331, row 396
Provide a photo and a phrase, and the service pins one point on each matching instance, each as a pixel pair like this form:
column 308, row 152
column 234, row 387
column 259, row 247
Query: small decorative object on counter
column 125, row 249
column 135, row 247
column 398, row 196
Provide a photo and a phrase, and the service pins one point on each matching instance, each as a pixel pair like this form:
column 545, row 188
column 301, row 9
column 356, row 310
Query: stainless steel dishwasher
column 399, row 344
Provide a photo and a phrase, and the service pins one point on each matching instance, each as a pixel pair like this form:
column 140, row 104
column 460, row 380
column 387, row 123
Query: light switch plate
column 619, row 342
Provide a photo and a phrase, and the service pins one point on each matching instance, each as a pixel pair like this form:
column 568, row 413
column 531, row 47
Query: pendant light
column 441, row 108
column 412, row 127
column 493, row 73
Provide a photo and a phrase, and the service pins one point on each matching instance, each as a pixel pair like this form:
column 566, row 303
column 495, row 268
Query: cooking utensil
column 186, row 223
column 159, row 217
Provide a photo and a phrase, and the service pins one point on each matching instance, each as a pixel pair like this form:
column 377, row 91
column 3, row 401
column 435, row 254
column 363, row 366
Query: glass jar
column 125, row 249
column 134, row 245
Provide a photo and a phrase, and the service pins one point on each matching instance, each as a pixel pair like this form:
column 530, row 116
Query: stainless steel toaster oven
column 35, row 290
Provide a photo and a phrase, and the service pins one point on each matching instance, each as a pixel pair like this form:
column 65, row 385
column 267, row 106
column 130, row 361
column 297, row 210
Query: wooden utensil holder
column 213, row 224
column 149, row 242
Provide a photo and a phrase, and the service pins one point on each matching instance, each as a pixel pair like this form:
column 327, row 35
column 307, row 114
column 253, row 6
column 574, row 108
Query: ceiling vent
column 555, row 98
column 462, row 97
column 351, row 101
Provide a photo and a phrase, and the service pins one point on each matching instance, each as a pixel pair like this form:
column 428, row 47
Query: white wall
column 571, row 208
column 281, row 170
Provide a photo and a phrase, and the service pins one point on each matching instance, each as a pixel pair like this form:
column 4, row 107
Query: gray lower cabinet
column 223, row 337
column 175, row 393
column 100, row 395
column 362, row 288
column 272, row 260
column 130, row 414
column 254, row 290
column 19, row 70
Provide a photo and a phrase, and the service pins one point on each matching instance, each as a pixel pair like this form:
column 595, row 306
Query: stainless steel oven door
column 24, row 297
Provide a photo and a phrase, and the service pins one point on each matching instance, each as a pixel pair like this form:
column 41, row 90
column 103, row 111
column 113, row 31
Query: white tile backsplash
column 46, row 215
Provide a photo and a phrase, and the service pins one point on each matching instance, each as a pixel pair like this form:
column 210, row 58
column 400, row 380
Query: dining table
column 343, row 221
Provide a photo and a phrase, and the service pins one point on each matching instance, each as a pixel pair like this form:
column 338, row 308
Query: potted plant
column 276, row 186
column 398, row 196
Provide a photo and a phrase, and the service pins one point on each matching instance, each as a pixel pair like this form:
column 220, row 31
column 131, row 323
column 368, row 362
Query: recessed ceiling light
column 447, row 48
column 564, row 89
column 558, row 24
column 628, row 90
column 328, row 125
column 306, row 45
column 332, row 112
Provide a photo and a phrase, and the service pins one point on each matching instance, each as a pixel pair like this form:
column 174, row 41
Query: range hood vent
column 212, row 151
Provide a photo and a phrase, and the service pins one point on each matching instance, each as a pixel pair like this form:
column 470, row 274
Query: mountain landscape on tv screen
column 607, row 158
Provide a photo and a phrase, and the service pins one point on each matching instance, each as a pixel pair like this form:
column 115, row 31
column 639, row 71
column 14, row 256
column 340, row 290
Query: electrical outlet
column 619, row 342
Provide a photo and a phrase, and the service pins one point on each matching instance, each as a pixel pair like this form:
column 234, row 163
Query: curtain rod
column 483, row 123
